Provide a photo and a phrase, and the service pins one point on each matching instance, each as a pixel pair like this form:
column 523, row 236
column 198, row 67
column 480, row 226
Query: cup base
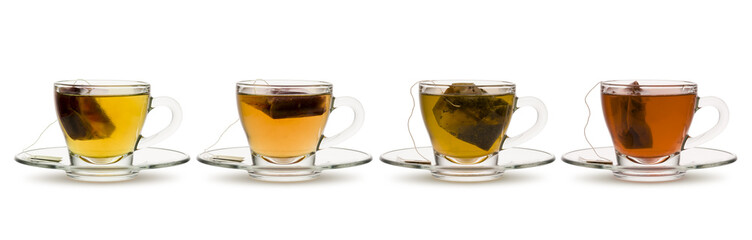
column 101, row 177
column 302, row 170
column 467, row 175
column 648, row 175
column 82, row 169
column 284, row 176
column 633, row 170
column 484, row 170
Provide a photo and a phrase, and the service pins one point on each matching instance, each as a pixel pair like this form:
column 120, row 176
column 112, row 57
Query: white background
column 196, row 51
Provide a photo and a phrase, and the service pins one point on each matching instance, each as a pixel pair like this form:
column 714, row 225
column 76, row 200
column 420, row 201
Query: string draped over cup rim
column 102, row 83
column 648, row 87
column 658, row 83
column 271, row 86
column 479, row 83
column 95, row 87
column 281, row 83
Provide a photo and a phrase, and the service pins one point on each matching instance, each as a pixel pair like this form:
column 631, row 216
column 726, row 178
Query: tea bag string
column 39, row 137
column 587, row 122
column 254, row 82
column 224, row 157
column 231, row 124
column 412, row 110
column 88, row 90
column 83, row 80
column 48, row 158
column 217, row 142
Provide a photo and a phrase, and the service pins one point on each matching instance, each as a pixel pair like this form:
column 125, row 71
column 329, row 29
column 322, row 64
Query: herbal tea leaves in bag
column 289, row 104
column 82, row 117
column 467, row 114
column 636, row 134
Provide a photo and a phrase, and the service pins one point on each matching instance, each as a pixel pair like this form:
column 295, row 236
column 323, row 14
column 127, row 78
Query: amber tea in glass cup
column 649, row 122
column 467, row 122
column 284, row 121
column 102, row 121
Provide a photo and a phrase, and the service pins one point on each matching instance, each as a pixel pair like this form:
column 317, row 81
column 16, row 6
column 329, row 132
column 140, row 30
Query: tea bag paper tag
column 47, row 158
column 417, row 161
column 597, row 161
column 229, row 158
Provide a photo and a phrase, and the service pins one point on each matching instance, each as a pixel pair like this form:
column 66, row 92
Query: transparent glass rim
column 284, row 83
column 651, row 83
column 101, row 83
column 96, row 87
column 478, row 83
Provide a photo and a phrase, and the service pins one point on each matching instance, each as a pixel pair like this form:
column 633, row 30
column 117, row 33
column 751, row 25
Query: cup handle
column 177, row 118
column 358, row 119
column 540, row 108
column 723, row 118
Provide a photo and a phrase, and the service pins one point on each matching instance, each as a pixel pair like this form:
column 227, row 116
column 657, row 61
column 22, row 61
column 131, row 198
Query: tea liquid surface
column 466, row 127
column 648, row 126
column 101, row 126
column 284, row 125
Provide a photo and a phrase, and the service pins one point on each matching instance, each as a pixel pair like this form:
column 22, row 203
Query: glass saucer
column 693, row 158
column 513, row 158
column 58, row 158
column 239, row 158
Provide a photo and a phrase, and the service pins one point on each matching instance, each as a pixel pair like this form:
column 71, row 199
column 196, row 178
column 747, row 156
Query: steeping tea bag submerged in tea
column 289, row 104
column 636, row 134
column 83, row 118
column 465, row 112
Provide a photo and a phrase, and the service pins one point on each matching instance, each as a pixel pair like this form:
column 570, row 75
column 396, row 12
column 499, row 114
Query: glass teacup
column 467, row 122
column 284, row 121
column 102, row 121
column 649, row 122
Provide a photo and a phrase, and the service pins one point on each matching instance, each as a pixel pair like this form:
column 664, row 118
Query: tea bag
column 83, row 118
column 637, row 132
column 282, row 106
column 471, row 117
